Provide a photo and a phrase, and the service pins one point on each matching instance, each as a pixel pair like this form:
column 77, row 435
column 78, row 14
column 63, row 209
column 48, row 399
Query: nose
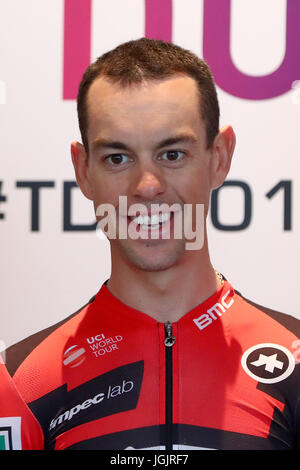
column 149, row 185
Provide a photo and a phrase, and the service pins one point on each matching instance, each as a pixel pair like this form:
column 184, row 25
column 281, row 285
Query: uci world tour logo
column 10, row 433
column 268, row 363
column 74, row 356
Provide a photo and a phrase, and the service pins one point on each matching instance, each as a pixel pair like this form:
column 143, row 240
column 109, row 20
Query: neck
column 165, row 295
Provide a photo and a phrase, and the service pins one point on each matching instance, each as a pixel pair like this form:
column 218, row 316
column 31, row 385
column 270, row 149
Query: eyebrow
column 105, row 143
column 181, row 138
column 113, row 144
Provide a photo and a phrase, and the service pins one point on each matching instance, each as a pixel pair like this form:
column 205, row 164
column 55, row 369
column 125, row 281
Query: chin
column 153, row 257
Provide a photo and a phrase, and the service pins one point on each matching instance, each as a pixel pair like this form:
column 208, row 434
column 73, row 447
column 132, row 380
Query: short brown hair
column 151, row 59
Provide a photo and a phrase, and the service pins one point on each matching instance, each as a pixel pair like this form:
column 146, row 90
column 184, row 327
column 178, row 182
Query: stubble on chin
column 152, row 257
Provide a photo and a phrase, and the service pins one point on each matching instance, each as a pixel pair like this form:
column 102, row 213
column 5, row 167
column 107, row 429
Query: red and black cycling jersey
column 19, row 429
column 225, row 376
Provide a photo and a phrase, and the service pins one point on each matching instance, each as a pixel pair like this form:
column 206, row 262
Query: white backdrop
column 47, row 271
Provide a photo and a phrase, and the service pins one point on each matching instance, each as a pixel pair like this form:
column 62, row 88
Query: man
column 19, row 429
column 166, row 355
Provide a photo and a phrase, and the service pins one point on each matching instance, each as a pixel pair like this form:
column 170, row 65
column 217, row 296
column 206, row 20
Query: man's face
column 147, row 142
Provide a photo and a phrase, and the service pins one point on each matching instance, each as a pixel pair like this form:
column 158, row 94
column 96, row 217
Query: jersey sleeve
column 19, row 429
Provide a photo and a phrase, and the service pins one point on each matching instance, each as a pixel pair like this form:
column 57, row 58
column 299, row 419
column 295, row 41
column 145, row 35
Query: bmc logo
column 214, row 312
column 216, row 46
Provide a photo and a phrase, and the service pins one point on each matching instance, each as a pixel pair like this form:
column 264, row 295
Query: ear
column 222, row 151
column 80, row 163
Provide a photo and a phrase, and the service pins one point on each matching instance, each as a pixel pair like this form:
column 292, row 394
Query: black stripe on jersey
column 116, row 391
column 286, row 424
column 196, row 437
column 140, row 438
column 18, row 352
column 288, row 321
column 227, row 440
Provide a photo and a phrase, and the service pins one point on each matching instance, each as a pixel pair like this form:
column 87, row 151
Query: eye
column 117, row 159
column 172, row 156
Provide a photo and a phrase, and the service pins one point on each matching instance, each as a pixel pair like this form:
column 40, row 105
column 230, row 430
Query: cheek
column 105, row 193
column 194, row 189
column 101, row 187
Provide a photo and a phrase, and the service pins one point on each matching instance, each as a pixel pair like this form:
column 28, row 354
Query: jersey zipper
column 169, row 341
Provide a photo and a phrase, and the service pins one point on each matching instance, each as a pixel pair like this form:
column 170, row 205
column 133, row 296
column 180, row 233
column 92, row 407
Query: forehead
column 172, row 102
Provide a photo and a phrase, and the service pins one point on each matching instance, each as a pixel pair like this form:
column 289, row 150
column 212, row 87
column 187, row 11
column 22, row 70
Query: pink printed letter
column 77, row 44
column 216, row 51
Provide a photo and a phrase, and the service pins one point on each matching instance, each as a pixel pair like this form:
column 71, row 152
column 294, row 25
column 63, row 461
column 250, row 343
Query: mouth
column 151, row 222
column 155, row 226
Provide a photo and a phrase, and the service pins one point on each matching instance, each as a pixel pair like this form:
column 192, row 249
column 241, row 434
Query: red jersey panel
column 225, row 376
column 19, row 429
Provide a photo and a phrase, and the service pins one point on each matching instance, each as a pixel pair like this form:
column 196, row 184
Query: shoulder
column 19, row 352
column 281, row 320
column 19, row 427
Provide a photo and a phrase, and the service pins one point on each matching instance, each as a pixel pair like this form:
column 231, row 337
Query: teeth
column 164, row 217
column 152, row 227
column 145, row 220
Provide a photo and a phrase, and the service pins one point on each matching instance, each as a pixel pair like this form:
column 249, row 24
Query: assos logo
column 268, row 363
